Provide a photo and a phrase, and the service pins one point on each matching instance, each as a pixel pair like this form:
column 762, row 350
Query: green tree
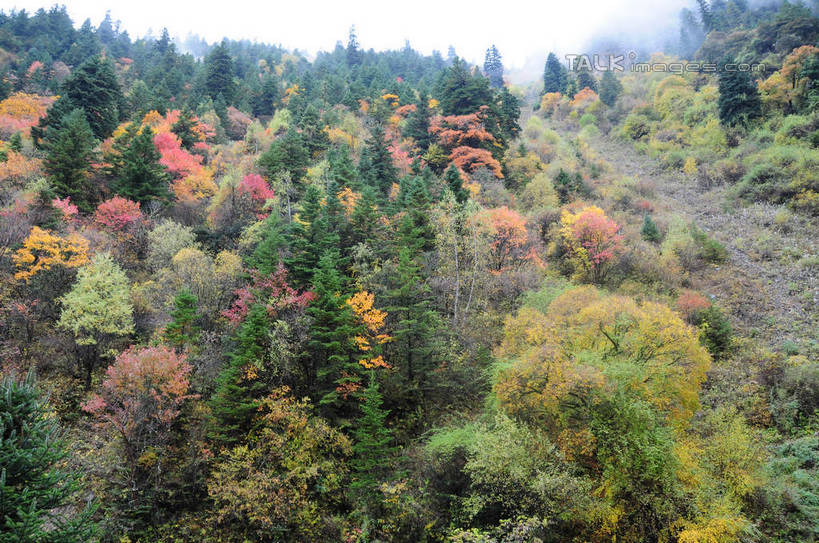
column 183, row 329
column 135, row 168
column 372, row 449
column 342, row 168
column 461, row 92
column 184, row 128
column 610, row 88
column 265, row 257
column 219, row 74
column 417, row 126
column 378, row 171
column 69, row 153
column 493, row 67
column 97, row 309
column 456, row 183
column 739, row 100
column 333, row 363
column 312, row 131
column 287, row 154
column 93, row 88
column 649, row 231
column 307, row 238
column 555, row 77
column 239, row 386
column 37, row 491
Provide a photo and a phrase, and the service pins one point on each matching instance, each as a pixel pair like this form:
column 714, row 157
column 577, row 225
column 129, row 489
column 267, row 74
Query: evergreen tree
column 372, row 448
column 286, row 154
column 364, row 220
column 342, row 168
column 307, row 238
column 183, row 329
column 184, row 129
column 239, row 386
column 415, row 322
column 649, row 231
column 265, row 257
column 135, row 168
column 610, row 88
column 554, row 75
column 739, row 100
column 353, row 52
column 36, row 489
column 493, row 67
column 382, row 173
column 417, row 126
column 219, row 74
column 69, row 154
column 585, row 79
column 16, row 142
column 415, row 231
column 508, row 115
column 312, row 131
column 461, row 92
column 456, row 183
column 94, row 89
column 333, row 363
column 264, row 102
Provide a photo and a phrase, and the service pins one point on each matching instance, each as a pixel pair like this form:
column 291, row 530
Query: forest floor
column 770, row 282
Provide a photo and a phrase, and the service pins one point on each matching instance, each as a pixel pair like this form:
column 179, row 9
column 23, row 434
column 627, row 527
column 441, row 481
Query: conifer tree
column 739, row 100
column 610, row 88
column 135, row 168
column 37, row 491
column 69, row 154
column 372, row 448
column 333, row 363
column 381, row 173
column 354, row 55
column 183, row 329
column 239, row 386
column 417, row 126
column 307, row 238
column 554, row 75
column 265, row 257
column 364, row 220
column 184, row 129
column 286, row 154
column 312, row 131
column 456, row 183
column 649, row 231
column 493, row 67
column 219, row 74
column 342, row 168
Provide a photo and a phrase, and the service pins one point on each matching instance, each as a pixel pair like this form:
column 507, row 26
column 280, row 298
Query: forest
column 249, row 295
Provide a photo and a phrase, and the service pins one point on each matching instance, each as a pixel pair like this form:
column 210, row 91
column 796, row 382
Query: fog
column 524, row 32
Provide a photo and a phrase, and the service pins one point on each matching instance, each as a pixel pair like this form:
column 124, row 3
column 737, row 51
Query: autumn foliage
column 43, row 250
column 593, row 239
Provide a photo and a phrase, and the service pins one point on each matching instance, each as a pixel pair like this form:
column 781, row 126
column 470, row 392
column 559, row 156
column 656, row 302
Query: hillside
column 382, row 296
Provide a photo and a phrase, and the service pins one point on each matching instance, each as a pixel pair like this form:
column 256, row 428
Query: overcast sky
column 521, row 29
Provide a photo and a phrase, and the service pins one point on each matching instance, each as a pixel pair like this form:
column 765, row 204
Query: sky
column 521, row 29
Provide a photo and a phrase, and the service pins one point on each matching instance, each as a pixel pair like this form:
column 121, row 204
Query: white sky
column 520, row 29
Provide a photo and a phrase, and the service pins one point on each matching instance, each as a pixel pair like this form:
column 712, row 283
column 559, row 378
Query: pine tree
column 610, row 88
column 382, row 173
column 312, row 131
column 183, row 329
column 333, row 363
column 585, row 79
column 93, row 88
column 219, row 74
column 372, row 448
column 184, row 129
column 264, row 102
column 353, row 52
column 493, row 67
column 649, row 231
column 554, row 75
column 342, row 168
column 508, row 116
column 69, row 154
column 36, row 488
column 461, row 92
column 239, row 386
column 739, row 100
column 456, row 183
column 307, row 238
column 287, row 154
column 364, row 221
column 265, row 257
column 417, row 126
column 135, row 168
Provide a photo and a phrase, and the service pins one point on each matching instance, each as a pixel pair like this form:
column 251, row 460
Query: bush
column 710, row 249
column 636, row 127
column 716, row 333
